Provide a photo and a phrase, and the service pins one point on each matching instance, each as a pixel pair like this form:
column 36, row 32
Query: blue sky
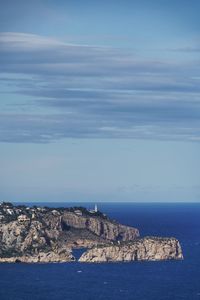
column 99, row 100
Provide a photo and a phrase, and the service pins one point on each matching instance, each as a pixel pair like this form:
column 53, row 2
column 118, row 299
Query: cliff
column 149, row 248
column 38, row 234
column 102, row 227
column 61, row 255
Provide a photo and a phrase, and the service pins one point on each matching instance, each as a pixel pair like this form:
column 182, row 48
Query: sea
column 164, row 280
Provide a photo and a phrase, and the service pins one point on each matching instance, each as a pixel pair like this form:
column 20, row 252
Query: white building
column 95, row 210
column 78, row 212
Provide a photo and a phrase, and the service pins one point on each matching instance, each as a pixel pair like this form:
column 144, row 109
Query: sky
column 100, row 100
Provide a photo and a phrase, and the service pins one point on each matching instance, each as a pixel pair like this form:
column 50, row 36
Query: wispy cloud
column 96, row 92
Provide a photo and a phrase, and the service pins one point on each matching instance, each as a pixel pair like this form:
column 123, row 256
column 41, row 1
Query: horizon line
column 104, row 202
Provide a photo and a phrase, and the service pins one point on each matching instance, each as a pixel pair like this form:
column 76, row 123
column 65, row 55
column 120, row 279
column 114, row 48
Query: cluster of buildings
column 6, row 209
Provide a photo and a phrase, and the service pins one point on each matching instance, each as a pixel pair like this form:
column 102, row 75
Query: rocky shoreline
column 43, row 234
column 63, row 255
column 145, row 249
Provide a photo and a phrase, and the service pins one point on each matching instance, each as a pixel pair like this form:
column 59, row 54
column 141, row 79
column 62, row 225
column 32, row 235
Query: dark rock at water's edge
column 43, row 234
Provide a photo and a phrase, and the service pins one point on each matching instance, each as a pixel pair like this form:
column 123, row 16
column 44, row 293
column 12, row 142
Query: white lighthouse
column 95, row 210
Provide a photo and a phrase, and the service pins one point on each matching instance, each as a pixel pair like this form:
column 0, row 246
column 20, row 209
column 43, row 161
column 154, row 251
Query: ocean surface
column 170, row 280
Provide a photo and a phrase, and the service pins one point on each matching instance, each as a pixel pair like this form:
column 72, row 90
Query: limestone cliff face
column 149, row 248
column 35, row 234
column 38, row 234
column 103, row 228
column 63, row 255
column 27, row 237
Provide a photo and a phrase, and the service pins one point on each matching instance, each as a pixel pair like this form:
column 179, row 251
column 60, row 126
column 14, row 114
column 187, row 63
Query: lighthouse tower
column 95, row 208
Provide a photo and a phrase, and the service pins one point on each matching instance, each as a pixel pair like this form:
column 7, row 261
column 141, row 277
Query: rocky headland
column 43, row 234
column 148, row 248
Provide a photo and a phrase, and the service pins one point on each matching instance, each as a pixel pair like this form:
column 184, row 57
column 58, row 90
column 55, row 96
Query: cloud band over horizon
column 56, row 90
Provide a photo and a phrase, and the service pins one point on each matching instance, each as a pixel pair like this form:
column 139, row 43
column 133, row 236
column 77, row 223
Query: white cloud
column 95, row 92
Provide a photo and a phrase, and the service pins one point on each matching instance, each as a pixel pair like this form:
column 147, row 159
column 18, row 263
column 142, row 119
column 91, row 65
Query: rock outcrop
column 149, row 248
column 101, row 227
column 63, row 255
column 37, row 234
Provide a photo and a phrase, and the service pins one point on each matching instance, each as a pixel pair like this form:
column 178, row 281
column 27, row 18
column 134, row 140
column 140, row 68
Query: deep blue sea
column 171, row 280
